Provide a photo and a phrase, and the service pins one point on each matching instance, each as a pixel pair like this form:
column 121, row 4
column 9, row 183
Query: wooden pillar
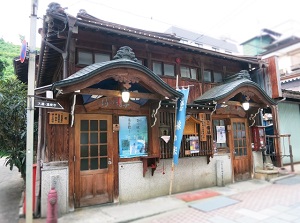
column 277, row 145
column 202, row 77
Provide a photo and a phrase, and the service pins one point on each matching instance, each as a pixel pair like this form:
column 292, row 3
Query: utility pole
column 30, row 110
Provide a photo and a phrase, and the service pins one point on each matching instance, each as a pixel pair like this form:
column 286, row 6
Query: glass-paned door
column 94, row 156
column 240, row 149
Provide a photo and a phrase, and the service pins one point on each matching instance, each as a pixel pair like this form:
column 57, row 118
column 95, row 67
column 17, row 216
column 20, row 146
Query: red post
column 52, row 206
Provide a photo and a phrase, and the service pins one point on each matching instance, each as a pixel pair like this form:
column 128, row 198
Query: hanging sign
column 180, row 123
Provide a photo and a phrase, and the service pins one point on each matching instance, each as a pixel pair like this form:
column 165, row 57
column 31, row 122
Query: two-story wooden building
column 100, row 149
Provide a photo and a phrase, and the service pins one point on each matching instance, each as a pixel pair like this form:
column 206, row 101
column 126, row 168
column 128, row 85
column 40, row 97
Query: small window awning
column 238, row 84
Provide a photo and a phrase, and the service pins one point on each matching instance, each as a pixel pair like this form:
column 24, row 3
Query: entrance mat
column 212, row 203
column 193, row 196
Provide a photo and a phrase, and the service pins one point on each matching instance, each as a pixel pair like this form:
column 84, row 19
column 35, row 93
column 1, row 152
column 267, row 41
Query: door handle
column 109, row 162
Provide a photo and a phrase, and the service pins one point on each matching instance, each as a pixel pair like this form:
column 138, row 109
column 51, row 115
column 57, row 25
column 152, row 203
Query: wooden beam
column 252, row 104
column 117, row 93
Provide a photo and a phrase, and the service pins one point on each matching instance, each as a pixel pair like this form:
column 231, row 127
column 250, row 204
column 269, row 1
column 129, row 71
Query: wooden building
column 116, row 151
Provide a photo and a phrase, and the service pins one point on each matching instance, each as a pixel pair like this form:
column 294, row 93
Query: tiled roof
column 221, row 91
column 94, row 69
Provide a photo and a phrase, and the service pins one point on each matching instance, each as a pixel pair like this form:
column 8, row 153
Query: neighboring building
column 203, row 41
column 256, row 45
column 280, row 74
column 101, row 149
column 286, row 54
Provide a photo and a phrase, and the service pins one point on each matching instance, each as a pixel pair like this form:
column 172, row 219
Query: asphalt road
column 11, row 186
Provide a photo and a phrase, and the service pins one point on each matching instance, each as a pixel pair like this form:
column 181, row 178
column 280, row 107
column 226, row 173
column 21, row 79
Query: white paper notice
column 221, row 134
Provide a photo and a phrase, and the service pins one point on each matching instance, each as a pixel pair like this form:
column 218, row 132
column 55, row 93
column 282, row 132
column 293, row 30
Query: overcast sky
column 238, row 20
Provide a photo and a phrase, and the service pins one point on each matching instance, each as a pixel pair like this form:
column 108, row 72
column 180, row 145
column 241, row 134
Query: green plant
column 13, row 123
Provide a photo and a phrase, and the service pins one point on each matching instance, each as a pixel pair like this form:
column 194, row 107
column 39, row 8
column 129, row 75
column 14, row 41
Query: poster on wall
column 133, row 136
column 221, row 134
column 194, row 144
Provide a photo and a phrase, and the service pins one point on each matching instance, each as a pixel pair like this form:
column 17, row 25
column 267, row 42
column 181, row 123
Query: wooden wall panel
column 273, row 73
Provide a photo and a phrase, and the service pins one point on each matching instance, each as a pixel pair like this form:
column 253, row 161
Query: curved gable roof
column 231, row 86
column 124, row 62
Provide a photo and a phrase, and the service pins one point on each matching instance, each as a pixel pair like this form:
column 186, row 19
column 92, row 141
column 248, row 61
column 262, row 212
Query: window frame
column 212, row 76
column 163, row 68
column 93, row 53
column 189, row 71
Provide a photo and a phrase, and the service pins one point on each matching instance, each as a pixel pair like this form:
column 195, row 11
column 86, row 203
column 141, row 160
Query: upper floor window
column 157, row 68
column 188, row 72
column 169, row 70
column 218, row 77
column 212, row 76
column 207, row 76
column 89, row 57
column 85, row 58
column 160, row 68
column 101, row 57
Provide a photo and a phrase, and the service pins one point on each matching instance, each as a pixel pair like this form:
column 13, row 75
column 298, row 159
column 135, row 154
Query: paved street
column 11, row 185
column 276, row 203
column 254, row 201
column 251, row 201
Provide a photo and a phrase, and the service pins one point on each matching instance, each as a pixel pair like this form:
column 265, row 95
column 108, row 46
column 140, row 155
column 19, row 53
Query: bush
column 13, row 95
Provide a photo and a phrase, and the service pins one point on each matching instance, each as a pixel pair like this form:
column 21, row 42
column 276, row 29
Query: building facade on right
column 280, row 77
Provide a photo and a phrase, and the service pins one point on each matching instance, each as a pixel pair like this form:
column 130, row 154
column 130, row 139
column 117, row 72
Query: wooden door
column 94, row 157
column 240, row 149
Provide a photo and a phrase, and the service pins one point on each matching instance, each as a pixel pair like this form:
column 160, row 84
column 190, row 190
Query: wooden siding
column 267, row 78
column 166, row 117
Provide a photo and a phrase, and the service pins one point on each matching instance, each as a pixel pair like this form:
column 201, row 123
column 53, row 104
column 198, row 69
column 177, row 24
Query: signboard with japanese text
column 133, row 136
column 47, row 104
column 58, row 118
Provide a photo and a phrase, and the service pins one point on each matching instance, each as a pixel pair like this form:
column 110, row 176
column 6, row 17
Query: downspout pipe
column 65, row 54
column 71, row 20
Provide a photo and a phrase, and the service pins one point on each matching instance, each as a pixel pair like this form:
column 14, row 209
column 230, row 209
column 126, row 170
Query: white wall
column 190, row 174
column 57, row 173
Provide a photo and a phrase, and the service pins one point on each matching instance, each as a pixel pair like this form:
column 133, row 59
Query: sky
column 236, row 20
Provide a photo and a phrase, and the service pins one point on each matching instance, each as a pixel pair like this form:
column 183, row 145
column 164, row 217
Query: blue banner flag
column 180, row 123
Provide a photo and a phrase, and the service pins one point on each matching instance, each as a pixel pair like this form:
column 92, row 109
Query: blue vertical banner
column 180, row 123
